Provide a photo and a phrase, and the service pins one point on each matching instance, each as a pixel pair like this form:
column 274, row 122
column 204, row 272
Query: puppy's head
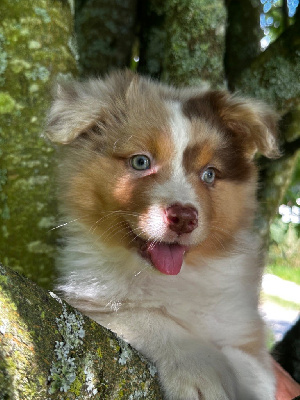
column 159, row 171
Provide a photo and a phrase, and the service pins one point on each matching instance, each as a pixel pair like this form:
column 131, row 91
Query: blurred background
column 249, row 46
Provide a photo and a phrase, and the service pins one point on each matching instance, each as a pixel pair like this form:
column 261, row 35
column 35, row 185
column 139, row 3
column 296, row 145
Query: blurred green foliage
column 276, row 17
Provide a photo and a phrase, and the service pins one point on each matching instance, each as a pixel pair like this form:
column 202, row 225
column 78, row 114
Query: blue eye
column 208, row 176
column 140, row 162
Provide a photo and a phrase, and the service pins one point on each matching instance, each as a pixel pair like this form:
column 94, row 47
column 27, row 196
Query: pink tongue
column 167, row 258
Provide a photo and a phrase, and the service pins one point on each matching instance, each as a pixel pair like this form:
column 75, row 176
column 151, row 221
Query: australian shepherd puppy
column 159, row 186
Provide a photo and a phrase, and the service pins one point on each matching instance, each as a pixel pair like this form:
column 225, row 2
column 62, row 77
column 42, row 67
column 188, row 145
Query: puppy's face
column 159, row 171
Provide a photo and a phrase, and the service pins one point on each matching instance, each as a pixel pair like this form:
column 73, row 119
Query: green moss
column 3, row 279
column 34, row 44
column 76, row 387
column 19, row 65
column 99, row 352
column 34, row 49
column 7, row 103
column 120, row 395
column 184, row 56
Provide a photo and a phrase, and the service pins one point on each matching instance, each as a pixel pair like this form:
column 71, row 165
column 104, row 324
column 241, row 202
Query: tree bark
column 105, row 34
column 48, row 350
column 243, row 35
column 182, row 41
column 35, row 47
column 276, row 175
column 274, row 74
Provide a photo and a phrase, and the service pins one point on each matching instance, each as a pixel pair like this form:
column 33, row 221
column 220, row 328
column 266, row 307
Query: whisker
column 65, row 223
column 219, row 241
column 112, row 230
column 142, row 270
column 110, row 213
column 153, row 243
column 218, row 228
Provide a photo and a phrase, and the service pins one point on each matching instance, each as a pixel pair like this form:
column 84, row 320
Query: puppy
column 159, row 187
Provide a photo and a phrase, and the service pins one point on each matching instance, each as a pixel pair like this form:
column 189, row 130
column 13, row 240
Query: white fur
column 196, row 319
column 177, row 188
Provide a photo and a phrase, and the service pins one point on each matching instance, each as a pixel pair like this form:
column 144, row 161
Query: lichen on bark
column 274, row 74
column 185, row 46
column 35, row 46
column 48, row 350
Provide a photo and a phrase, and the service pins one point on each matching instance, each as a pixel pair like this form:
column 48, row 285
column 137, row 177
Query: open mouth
column 165, row 257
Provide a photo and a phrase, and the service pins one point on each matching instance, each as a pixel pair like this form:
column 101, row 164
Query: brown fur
column 123, row 245
column 128, row 115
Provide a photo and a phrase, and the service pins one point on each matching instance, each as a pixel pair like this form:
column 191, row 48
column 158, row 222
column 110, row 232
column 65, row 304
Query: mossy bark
column 105, row 34
column 48, row 350
column 243, row 36
column 272, row 76
column 35, row 47
column 182, row 41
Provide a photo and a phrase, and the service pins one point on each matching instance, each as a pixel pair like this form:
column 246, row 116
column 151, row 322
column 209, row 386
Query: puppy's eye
column 140, row 162
column 208, row 176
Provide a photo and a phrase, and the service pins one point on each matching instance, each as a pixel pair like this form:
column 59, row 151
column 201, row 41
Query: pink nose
column 181, row 219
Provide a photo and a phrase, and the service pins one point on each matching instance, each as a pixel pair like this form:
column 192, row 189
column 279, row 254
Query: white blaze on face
column 153, row 223
column 176, row 189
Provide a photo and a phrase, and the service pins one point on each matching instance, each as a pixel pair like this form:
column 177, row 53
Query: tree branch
column 274, row 74
column 243, row 36
column 48, row 350
column 182, row 41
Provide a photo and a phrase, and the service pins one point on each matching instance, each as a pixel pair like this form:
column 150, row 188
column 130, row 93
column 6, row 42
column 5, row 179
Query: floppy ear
column 75, row 108
column 250, row 122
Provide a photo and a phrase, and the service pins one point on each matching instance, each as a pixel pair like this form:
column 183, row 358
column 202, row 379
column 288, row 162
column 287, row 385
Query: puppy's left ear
column 76, row 107
column 250, row 122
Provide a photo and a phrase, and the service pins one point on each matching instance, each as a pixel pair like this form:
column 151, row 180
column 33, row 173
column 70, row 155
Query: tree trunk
column 272, row 76
column 243, row 36
column 182, row 41
column 105, row 34
column 48, row 350
column 35, row 47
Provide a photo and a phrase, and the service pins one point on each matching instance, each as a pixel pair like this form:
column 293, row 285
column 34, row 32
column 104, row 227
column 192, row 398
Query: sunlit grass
column 284, row 271
column 280, row 302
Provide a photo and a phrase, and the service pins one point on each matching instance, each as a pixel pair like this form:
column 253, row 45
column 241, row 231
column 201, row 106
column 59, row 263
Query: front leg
column 194, row 370
column 188, row 368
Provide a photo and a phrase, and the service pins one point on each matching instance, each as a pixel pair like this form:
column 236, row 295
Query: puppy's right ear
column 75, row 108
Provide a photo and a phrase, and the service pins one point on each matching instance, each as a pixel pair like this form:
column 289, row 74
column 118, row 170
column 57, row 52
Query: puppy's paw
column 182, row 382
column 186, row 389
